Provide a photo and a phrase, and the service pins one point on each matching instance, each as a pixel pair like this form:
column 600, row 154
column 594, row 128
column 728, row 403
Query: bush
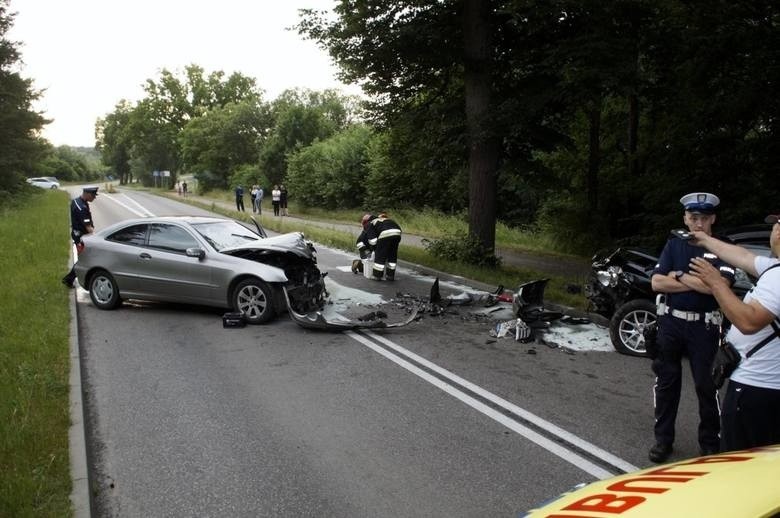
column 462, row 247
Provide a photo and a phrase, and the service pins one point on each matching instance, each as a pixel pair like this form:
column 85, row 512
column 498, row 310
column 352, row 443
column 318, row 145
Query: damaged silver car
column 202, row 260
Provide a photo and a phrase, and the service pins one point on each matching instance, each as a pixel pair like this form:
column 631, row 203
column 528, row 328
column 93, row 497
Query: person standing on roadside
column 252, row 196
column 184, row 189
column 80, row 224
column 276, row 196
column 259, row 200
column 751, row 407
column 688, row 324
column 283, row 200
column 240, row 198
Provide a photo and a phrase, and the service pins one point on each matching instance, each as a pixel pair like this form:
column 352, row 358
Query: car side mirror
column 196, row 252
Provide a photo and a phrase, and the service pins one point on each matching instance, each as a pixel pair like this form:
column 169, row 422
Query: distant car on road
column 202, row 260
column 739, row 483
column 44, row 182
column 619, row 287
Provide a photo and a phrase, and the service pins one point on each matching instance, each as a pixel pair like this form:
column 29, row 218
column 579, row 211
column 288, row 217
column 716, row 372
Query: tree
column 331, row 173
column 301, row 117
column 224, row 138
column 113, row 140
column 20, row 146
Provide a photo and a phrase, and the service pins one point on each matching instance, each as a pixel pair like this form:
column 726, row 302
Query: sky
column 89, row 54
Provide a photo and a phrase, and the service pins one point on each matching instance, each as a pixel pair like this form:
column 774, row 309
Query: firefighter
column 382, row 236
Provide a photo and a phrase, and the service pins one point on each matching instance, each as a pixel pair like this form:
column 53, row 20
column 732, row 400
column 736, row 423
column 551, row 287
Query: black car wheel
column 628, row 324
column 254, row 299
column 103, row 290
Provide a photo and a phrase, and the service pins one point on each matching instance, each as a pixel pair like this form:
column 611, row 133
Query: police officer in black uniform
column 688, row 324
column 80, row 224
column 381, row 235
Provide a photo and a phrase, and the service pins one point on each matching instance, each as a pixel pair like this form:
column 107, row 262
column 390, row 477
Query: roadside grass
column 511, row 278
column 34, row 358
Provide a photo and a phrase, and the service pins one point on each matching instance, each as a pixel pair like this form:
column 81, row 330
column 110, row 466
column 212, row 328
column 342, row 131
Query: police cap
column 700, row 202
column 92, row 189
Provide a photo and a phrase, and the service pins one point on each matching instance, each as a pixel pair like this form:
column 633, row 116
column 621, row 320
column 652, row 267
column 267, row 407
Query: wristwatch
column 678, row 275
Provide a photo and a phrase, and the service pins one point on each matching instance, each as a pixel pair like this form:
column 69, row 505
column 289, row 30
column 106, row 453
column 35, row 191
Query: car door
column 166, row 272
column 120, row 256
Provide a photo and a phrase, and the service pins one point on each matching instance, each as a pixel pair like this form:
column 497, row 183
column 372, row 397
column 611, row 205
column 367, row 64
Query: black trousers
column 699, row 341
column 751, row 417
column 386, row 257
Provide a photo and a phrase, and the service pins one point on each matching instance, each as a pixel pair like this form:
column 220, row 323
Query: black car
column 619, row 286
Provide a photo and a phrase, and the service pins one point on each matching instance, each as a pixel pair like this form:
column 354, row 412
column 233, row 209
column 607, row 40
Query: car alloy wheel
column 254, row 299
column 626, row 328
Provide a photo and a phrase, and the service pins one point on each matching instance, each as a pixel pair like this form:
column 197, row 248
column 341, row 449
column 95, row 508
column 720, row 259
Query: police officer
column 80, row 224
column 381, row 235
column 688, row 323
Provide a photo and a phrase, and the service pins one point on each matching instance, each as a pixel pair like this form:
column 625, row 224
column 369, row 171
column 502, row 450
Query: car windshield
column 225, row 234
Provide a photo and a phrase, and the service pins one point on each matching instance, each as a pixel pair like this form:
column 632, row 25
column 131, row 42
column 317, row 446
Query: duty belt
column 711, row 317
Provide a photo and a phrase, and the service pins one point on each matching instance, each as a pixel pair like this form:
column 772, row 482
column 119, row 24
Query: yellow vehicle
column 729, row 485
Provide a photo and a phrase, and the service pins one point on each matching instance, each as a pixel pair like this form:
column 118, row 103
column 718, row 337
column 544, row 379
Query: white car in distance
column 48, row 182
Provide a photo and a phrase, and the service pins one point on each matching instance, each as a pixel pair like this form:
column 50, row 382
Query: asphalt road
column 185, row 418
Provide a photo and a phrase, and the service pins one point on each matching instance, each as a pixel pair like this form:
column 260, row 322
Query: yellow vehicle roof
column 735, row 484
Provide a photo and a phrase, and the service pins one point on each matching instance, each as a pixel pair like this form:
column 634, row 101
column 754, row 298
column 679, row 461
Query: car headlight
column 609, row 277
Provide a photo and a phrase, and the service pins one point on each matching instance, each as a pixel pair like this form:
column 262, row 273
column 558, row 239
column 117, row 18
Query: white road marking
column 550, row 445
column 143, row 214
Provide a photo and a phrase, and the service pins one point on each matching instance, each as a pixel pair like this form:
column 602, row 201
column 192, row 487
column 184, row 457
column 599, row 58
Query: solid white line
column 139, row 214
column 141, row 207
column 544, row 442
column 524, row 414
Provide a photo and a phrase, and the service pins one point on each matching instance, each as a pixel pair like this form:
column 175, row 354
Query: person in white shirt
column 751, row 408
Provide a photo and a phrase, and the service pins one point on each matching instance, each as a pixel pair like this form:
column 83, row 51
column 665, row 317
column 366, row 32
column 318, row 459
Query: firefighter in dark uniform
column 80, row 224
column 688, row 324
column 381, row 235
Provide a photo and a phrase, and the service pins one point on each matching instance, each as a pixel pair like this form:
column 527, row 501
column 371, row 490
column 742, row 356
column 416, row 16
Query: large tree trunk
column 594, row 156
column 484, row 150
column 633, row 136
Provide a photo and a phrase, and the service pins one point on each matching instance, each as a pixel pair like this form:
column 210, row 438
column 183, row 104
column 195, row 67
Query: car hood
column 741, row 483
column 293, row 242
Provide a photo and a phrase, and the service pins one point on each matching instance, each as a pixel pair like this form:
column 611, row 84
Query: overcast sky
column 89, row 54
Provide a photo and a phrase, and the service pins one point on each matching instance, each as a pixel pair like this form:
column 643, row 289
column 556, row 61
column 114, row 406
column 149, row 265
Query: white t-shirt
column 762, row 369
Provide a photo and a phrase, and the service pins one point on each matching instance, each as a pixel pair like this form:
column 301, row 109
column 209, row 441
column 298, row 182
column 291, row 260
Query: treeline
column 23, row 153
column 592, row 117
column 583, row 119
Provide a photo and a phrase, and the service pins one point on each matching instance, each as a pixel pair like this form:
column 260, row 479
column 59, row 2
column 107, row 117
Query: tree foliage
column 607, row 111
column 330, row 173
column 20, row 146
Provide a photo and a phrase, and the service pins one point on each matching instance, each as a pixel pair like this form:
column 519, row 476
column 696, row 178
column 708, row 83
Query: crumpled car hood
column 292, row 242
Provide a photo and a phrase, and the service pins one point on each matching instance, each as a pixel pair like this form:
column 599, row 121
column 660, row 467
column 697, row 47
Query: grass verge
column 34, row 358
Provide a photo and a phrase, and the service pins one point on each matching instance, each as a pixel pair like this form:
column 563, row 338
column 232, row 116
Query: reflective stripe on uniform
column 390, row 232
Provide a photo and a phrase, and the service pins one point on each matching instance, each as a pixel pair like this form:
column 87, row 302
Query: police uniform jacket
column 80, row 219
column 676, row 256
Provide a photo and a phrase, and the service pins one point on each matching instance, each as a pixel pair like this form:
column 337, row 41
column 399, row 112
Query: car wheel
column 628, row 324
column 103, row 290
column 254, row 299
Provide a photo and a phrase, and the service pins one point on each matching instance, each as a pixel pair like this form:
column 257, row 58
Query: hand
column 698, row 237
column 704, row 270
column 79, row 247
